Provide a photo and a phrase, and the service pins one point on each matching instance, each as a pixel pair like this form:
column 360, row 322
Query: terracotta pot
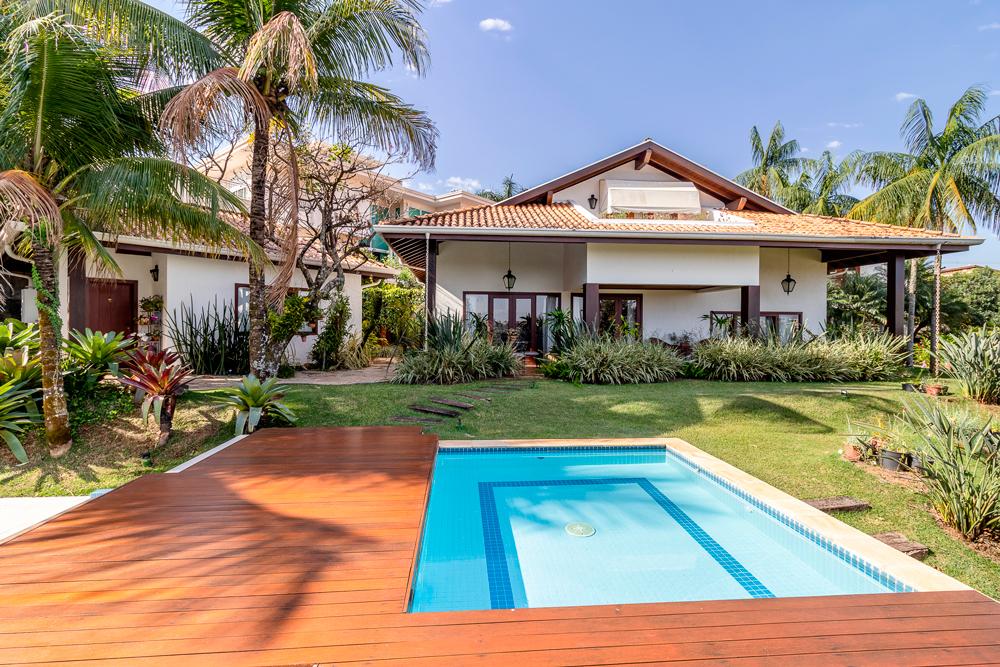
column 852, row 453
column 935, row 389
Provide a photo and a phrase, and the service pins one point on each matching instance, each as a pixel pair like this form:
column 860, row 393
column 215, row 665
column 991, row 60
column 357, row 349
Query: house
column 647, row 238
column 197, row 277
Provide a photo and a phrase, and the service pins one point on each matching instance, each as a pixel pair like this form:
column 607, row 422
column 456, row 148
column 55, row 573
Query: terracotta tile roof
column 566, row 216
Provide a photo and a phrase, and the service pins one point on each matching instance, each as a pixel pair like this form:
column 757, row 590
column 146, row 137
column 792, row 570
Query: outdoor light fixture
column 155, row 272
column 509, row 278
column 788, row 284
column 592, row 200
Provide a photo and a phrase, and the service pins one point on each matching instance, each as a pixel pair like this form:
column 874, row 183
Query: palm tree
column 775, row 164
column 945, row 181
column 291, row 65
column 821, row 188
column 508, row 188
column 78, row 156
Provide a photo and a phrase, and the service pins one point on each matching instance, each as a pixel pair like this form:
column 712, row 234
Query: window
column 782, row 325
column 243, row 310
column 414, row 212
column 616, row 313
column 515, row 316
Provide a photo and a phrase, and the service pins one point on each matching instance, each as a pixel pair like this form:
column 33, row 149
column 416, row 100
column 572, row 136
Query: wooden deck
column 296, row 546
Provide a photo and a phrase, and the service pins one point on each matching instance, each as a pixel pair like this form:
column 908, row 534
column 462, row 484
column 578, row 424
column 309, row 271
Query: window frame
column 313, row 326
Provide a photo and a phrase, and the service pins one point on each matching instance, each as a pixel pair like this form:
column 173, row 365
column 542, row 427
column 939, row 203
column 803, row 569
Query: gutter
column 694, row 236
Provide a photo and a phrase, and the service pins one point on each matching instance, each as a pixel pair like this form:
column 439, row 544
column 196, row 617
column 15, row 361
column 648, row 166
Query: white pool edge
column 908, row 570
column 206, row 454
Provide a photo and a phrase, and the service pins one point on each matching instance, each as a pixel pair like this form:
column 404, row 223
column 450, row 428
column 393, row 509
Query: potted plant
column 891, row 459
column 151, row 304
column 936, row 389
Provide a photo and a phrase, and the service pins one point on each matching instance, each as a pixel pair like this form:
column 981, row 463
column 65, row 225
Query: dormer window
column 643, row 197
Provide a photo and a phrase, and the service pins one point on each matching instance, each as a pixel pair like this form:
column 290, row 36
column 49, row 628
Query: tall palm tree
column 775, row 163
column 289, row 65
column 78, row 156
column 946, row 180
column 821, row 188
column 508, row 188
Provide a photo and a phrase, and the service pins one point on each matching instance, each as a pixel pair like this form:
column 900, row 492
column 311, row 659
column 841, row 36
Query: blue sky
column 539, row 87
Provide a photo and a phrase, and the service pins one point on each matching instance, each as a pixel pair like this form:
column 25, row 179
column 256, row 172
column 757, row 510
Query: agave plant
column 15, row 334
column 159, row 385
column 17, row 412
column 256, row 401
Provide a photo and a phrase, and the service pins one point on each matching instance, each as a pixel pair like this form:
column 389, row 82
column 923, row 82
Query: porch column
column 591, row 298
column 430, row 283
column 895, row 279
column 750, row 308
column 76, row 293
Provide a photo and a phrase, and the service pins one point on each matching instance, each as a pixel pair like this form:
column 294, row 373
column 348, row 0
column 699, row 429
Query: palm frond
column 918, row 127
column 23, row 199
column 281, row 48
column 284, row 213
column 80, row 238
column 347, row 107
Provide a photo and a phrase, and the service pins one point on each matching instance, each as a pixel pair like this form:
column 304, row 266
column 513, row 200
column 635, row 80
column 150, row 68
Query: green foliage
column 508, row 188
column 92, row 354
column 454, row 355
column 17, row 412
column 979, row 290
column 160, row 385
column 609, row 360
column 257, row 403
column 857, row 302
column 297, row 311
column 21, row 367
column 962, row 466
column 393, row 312
column 861, row 357
column 974, row 358
column 328, row 348
column 212, row 341
column 15, row 334
column 776, row 163
column 563, row 328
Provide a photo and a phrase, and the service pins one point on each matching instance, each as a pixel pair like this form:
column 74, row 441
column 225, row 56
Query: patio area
column 298, row 545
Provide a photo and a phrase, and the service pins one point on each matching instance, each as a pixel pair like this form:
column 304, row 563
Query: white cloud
column 439, row 3
column 411, row 71
column 902, row 97
column 499, row 25
column 835, row 144
column 846, row 126
column 989, row 26
column 459, row 183
column 804, row 150
column 994, row 93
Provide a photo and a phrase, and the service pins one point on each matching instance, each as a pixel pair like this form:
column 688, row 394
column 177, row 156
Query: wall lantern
column 509, row 278
column 155, row 272
column 592, row 200
column 788, row 284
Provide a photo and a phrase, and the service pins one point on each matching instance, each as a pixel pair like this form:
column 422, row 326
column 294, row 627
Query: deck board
column 297, row 546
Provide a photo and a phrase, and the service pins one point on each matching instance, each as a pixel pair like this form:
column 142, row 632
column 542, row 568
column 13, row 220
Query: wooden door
column 111, row 305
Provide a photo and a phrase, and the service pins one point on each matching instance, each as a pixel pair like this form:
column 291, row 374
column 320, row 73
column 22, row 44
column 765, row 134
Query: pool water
column 549, row 527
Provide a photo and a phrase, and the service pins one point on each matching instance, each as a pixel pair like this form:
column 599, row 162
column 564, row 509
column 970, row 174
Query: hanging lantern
column 509, row 278
column 788, row 284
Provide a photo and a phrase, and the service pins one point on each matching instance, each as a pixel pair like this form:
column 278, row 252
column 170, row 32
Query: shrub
column 454, row 355
column 961, row 464
column 974, row 358
column 21, row 367
column 860, row 357
column 257, row 403
column 327, row 350
column 93, row 354
column 609, row 360
column 17, row 412
column 213, row 341
column 159, row 385
column 15, row 334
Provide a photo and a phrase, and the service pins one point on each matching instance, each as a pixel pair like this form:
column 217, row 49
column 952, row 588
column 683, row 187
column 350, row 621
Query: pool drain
column 579, row 529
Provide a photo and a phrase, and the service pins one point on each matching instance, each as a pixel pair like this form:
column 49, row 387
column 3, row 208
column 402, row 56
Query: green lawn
column 787, row 435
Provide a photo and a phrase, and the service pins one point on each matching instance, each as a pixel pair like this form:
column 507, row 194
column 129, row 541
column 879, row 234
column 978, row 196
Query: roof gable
column 650, row 153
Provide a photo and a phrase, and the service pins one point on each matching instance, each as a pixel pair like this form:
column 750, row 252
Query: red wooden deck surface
column 296, row 546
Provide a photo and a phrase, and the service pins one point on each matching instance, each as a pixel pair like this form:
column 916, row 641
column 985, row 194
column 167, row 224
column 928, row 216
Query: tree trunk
column 936, row 317
column 261, row 362
column 911, row 309
column 49, row 329
column 166, row 419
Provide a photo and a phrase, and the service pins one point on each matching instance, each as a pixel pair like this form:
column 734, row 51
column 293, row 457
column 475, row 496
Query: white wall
column 809, row 295
column 662, row 264
column 580, row 192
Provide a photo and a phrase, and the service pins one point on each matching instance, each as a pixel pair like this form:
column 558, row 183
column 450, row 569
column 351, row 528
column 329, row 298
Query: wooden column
column 430, row 284
column 895, row 289
column 750, row 308
column 591, row 300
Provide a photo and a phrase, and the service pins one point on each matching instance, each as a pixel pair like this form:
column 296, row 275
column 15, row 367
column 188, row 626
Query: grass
column 789, row 435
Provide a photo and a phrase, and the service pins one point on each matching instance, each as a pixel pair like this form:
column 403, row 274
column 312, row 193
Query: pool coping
column 909, row 571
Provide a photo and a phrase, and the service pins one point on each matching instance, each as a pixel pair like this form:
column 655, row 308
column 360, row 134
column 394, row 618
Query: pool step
column 900, row 542
column 431, row 410
column 839, row 504
column 452, row 403
column 409, row 419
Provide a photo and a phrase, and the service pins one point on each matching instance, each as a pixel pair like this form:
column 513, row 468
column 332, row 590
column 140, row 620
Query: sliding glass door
column 517, row 316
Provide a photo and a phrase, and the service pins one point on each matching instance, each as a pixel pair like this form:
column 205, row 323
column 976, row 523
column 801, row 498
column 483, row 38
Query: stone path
column 439, row 408
column 380, row 371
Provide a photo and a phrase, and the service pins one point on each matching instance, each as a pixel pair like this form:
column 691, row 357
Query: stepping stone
column 407, row 419
column 498, row 389
column 899, row 542
column 478, row 397
column 839, row 504
column 431, row 410
column 454, row 404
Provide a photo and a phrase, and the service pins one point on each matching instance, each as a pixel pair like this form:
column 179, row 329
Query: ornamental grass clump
column 605, row 359
column 974, row 358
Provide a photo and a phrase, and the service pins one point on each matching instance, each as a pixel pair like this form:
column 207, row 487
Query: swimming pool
column 565, row 526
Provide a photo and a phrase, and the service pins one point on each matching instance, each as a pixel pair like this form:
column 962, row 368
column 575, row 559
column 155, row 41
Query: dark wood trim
column 430, row 278
column 133, row 305
column 749, row 304
column 737, row 204
column 763, row 314
column 642, row 160
column 895, row 277
column 535, row 342
column 591, row 303
column 78, row 289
